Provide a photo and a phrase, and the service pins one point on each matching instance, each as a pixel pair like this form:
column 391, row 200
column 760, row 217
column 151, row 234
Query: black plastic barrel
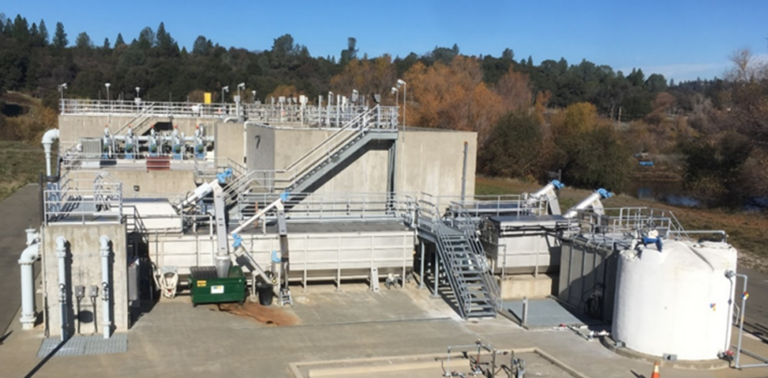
column 265, row 293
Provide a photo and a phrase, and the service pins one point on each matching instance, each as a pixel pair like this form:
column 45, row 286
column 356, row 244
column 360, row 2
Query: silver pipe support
column 26, row 263
column 105, row 288
column 61, row 254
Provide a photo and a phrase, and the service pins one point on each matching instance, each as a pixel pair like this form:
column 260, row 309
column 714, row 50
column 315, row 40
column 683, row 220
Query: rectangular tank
column 522, row 244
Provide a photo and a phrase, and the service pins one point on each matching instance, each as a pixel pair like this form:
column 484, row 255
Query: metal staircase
column 463, row 262
column 138, row 122
column 317, row 163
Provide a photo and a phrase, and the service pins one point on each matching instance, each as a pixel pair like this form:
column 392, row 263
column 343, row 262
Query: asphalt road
column 17, row 213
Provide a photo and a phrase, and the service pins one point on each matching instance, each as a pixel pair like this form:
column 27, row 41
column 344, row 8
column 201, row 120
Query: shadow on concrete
column 636, row 375
column 2, row 339
column 45, row 359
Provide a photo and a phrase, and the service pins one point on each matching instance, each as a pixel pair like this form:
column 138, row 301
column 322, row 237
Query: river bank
column 746, row 230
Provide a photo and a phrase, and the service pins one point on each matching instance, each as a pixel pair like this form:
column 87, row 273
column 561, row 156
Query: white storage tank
column 675, row 302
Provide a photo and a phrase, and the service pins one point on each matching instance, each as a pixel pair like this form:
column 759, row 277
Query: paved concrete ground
column 177, row 340
column 17, row 212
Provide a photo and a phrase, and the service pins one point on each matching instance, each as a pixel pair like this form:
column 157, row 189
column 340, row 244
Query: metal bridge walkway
column 463, row 263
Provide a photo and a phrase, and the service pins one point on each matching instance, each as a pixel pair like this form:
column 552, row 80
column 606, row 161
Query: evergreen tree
column 43, row 32
column 106, row 44
column 119, row 41
column 83, row 41
column 60, row 38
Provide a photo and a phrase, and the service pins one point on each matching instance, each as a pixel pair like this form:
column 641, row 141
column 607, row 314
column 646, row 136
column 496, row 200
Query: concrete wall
column 229, row 141
column 431, row 161
column 167, row 184
column 427, row 160
column 261, row 148
column 84, row 268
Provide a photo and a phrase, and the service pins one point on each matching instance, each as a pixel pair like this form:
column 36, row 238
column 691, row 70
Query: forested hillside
column 583, row 118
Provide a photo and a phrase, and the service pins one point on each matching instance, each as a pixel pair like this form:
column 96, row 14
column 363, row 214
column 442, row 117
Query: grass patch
column 20, row 164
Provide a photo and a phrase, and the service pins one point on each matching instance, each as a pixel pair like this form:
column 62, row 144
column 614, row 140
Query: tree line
column 584, row 119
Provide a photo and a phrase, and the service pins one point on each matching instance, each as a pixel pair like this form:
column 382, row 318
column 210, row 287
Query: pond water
column 673, row 193
column 670, row 192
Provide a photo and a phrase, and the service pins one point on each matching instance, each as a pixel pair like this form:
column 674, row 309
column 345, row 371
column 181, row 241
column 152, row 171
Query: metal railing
column 619, row 225
column 332, row 116
column 83, row 201
column 348, row 206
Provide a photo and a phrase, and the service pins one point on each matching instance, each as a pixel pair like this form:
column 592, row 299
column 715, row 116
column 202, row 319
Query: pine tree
column 43, row 32
column 119, row 41
column 106, row 44
column 60, row 38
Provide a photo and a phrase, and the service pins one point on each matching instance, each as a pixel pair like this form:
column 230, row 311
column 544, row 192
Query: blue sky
column 680, row 39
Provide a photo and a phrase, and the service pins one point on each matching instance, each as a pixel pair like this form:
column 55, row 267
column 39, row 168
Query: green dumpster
column 206, row 287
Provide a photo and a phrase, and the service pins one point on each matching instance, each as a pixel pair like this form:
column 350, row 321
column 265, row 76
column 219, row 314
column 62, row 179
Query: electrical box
column 93, row 291
column 79, row 291
column 91, row 150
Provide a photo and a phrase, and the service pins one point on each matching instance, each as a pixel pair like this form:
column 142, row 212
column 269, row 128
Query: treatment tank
column 676, row 302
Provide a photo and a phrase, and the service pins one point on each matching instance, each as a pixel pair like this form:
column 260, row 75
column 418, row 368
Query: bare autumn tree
column 745, row 67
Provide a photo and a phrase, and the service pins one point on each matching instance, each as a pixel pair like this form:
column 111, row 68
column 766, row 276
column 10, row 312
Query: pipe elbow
column 30, row 254
column 61, row 244
column 49, row 137
column 104, row 244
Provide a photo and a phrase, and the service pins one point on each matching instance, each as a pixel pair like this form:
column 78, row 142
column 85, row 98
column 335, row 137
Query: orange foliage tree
column 374, row 76
column 452, row 97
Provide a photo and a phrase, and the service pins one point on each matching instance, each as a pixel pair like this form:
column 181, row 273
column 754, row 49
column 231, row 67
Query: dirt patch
column 268, row 315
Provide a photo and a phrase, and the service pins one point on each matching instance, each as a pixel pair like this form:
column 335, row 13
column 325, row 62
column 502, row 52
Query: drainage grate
column 84, row 346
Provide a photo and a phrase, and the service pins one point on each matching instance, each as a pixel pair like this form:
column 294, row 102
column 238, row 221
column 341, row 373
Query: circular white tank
column 677, row 301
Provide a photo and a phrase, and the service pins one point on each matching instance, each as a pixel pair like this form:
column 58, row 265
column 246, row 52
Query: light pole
column 62, row 87
column 405, row 99
column 397, row 96
column 238, row 100
column 254, row 96
column 354, row 97
column 108, row 102
column 138, row 92
column 224, row 89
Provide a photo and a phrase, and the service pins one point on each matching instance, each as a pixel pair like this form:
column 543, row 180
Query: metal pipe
column 61, row 254
column 464, row 173
column 48, row 138
column 26, row 263
column 105, row 287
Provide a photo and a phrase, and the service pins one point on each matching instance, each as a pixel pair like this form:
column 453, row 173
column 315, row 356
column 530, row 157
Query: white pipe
column 592, row 200
column 61, row 253
column 105, row 288
column 26, row 263
column 48, row 138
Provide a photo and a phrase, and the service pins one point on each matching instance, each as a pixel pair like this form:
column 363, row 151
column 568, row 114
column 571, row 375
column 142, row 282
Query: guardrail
column 83, row 201
column 340, row 205
column 330, row 116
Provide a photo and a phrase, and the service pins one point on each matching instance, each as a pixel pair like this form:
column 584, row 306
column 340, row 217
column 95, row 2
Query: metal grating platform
column 542, row 313
column 84, row 346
